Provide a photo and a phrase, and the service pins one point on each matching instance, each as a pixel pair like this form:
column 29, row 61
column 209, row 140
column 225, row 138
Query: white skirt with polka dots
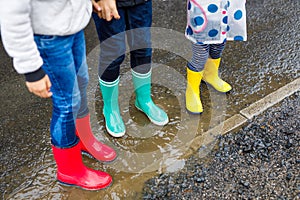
column 215, row 21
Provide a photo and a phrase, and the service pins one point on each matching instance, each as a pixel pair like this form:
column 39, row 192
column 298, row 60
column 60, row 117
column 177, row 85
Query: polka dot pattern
column 213, row 33
column 199, row 20
column 189, row 5
column 238, row 15
column 189, row 30
column 238, row 38
column 212, row 8
column 225, row 19
column 216, row 21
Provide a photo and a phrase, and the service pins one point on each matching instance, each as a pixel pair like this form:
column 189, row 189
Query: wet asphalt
column 260, row 161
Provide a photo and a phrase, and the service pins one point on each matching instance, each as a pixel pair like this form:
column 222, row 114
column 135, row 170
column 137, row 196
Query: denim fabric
column 126, row 3
column 65, row 63
column 136, row 21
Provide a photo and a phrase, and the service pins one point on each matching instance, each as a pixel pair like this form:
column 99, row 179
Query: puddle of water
column 145, row 151
column 254, row 68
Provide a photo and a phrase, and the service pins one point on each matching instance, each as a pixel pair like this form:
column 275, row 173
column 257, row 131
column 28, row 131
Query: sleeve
column 18, row 39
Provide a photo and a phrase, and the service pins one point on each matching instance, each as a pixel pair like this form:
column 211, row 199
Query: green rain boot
column 113, row 120
column 143, row 101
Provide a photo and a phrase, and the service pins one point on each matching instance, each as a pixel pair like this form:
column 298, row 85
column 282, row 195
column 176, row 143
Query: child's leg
column 112, row 45
column 194, row 75
column 139, row 36
column 59, row 64
column 139, row 40
column 81, row 67
column 112, row 53
column 89, row 144
column 199, row 58
column 216, row 50
column 211, row 69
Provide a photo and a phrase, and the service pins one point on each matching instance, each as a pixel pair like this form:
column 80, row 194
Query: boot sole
column 153, row 121
column 87, row 189
column 117, row 135
column 194, row 113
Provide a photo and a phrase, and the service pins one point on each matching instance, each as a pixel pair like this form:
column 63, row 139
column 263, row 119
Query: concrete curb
column 271, row 99
column 240, row 119
column 205, row 142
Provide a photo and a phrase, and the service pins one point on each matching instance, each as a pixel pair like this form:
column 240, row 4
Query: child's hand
column 96, row 7
column 106, row 9
column 41, row 87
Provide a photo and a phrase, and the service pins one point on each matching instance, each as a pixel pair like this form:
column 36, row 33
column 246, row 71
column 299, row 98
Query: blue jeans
column 65, row 63
column 135, row 23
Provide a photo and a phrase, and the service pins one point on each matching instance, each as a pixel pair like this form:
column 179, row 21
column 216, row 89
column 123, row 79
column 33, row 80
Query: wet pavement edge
column 246, row 114
column 235, row 122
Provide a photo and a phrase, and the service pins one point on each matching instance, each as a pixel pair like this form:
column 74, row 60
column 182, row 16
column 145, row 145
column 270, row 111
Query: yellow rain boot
column 211, row 75
column 192, row 96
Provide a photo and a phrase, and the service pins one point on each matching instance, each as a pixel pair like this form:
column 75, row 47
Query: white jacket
column 21, row 19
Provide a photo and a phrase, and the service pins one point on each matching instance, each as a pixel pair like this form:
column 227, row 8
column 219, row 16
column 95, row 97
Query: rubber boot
column 72, row 172
column 143, row 100
column 211, row 75
column 113, row 120
column 90, row 145
column 192, row 95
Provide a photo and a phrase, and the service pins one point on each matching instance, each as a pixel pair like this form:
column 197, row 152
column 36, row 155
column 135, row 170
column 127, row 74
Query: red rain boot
column 90, row 144
column 71, row 170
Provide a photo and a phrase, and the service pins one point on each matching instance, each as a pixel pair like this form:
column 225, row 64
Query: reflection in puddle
column 145, row 151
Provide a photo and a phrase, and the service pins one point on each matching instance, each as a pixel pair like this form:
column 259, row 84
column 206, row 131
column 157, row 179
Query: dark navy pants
column 134, row 24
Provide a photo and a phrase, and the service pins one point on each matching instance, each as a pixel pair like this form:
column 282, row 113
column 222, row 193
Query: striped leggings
column 201, row 52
